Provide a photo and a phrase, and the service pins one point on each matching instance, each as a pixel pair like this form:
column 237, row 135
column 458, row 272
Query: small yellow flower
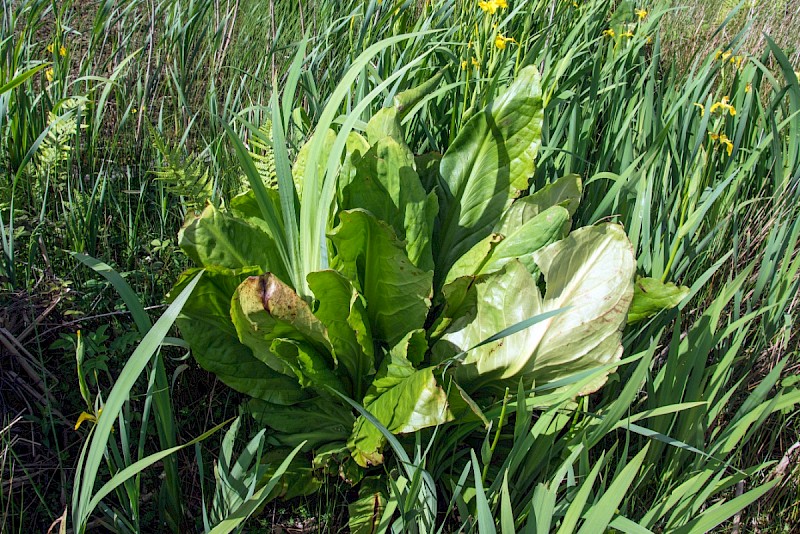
column 702, row 108
column 500, row 41
column 627, row 34
column 62, row 51
column 609, row 33
column 133, row 111
column 649, row 40
column 641, row 13
column 86, row 416
column 49, row 75
column 476, row 63
column 723, row 141
column 724, row 105
column 491, row 6
column 50, row 48
column 748, row 87
column 464, row 64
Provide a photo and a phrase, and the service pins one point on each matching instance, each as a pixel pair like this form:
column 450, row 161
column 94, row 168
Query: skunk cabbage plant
column 425, row 259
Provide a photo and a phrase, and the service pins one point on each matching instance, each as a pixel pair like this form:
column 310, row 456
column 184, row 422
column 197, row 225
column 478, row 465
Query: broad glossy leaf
column 386, row 184
column 459, row 299
column 495, row 250
column 311, row 368
column 403, row 399
column 474, row 259
column 355, row 148
column 217, row 239
column 405, row 101
column 487, row 165
column 540, row 231
column 343, row 312
column 565, row 192
column 264, row 309
column 245, row 206
column 370, row 256
column 298, row 480
column 650, row 296
column 427, row 166
column 365, row 512
column 499, row 300
column 319, row 420
column 206, row 324
column 384, row 123
column 590, row 272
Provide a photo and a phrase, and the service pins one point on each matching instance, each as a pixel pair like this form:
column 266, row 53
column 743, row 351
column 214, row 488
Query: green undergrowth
column 120, row 120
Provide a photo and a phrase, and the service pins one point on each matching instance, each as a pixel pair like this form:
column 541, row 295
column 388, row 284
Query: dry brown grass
column 690, row 31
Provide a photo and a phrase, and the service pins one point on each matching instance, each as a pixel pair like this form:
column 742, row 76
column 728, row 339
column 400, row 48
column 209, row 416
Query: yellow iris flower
column 724, row 105
column 49, row 75
column 491, row 6
column 86, row 416
column 723, row 140
column 641, row 13
column 500, row 41
column 62, row 51
column 702, row 108
column 609, row 33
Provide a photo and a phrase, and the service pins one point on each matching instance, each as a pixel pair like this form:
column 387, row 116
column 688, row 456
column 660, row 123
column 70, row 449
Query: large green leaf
column 264, row 309
column 217, row 239
column 490, row 255
column 355, row 148
column 370, row 256
column 384, row 123
column 428, row 169
column 487, row 165
column 311, row 368
column 386, row 184
column 540, row 231
column 497, row 301
column 365, row 512
column 206, row 324
column 343, row 312
column 472, row 261
column 495, row 250
column 590, row 272
column 245, row 206
column 320, row 420
column 650, row 296
column 403, row 399
column 565, row 192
